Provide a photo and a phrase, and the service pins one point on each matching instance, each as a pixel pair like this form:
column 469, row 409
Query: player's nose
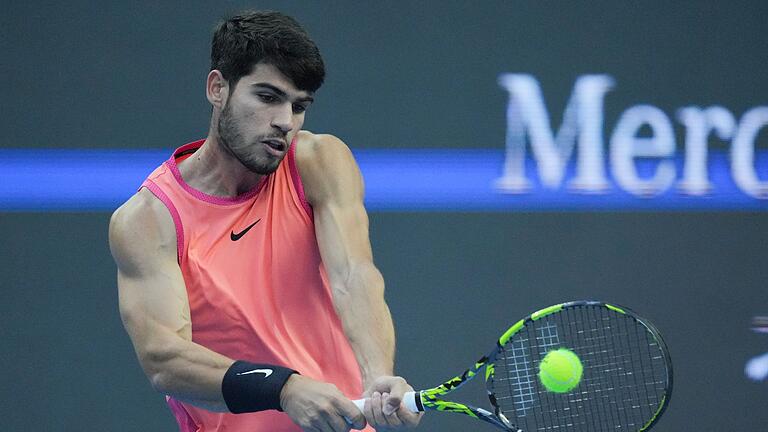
column 282, row 118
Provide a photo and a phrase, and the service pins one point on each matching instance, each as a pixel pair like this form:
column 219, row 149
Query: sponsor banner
column 396, row 180
column 641, row 156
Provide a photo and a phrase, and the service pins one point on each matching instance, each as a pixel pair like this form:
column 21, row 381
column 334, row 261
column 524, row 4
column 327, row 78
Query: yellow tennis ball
column 560, row 371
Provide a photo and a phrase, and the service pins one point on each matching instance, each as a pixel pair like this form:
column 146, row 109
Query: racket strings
column 624, row 373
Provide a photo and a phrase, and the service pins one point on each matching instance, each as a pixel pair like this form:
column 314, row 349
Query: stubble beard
column 231, row 138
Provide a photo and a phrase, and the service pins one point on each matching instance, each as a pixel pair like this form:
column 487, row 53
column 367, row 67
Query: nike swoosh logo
column 236, row 237
column 266, row 372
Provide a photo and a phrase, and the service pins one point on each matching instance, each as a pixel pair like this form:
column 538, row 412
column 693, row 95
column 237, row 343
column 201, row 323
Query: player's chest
column 256, row 237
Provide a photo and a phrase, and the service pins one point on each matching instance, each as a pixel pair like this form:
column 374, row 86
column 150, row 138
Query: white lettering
column 626, row 146
column 698, row 125
column 582, row 119
column 743, row 153
column 528, row 123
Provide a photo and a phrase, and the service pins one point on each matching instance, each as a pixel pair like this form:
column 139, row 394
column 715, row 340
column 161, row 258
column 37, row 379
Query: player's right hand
column 319, row 407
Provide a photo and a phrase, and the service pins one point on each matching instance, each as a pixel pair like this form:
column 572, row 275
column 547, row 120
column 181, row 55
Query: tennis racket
column 626, row 381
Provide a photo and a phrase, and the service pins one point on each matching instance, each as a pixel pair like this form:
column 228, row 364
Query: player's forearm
column 359, row 301
column 188, row 372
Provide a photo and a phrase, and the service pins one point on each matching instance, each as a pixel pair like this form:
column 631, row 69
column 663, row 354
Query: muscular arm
column 155, row 311
column 154, row 306
column 334, row 188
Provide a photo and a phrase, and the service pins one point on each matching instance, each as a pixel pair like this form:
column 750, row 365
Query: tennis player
column 245, row 272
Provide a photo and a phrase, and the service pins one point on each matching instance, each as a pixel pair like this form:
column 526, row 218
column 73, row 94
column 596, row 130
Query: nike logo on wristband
column 266, row 372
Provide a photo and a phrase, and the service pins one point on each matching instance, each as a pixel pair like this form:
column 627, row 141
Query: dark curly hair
column 253, row 37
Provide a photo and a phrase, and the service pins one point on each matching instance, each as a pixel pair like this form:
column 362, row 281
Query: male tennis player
column 245, row 272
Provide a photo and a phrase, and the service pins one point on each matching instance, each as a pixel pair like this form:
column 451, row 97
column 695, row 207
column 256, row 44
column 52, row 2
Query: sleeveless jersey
column 256, row 285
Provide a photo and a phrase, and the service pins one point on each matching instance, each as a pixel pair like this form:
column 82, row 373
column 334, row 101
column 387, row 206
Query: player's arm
column 154, row 306
column 334, row 187
column 155, row 311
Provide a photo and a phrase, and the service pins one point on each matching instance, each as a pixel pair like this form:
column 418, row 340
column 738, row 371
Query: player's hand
column 384, row 408
column 319, row 407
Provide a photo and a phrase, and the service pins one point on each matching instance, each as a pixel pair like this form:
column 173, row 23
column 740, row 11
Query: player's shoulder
column 143, row 207
column 320, row 149
column 142, row 222
column 326, row 165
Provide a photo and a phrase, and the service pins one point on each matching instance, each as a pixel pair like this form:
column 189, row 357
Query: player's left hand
column 384, row 408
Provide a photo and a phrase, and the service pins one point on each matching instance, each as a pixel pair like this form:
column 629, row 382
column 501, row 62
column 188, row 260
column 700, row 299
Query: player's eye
column 267, row 98
column 298, row 108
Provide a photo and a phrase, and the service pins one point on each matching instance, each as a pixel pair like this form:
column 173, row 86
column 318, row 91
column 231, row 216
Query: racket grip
column 409, row 399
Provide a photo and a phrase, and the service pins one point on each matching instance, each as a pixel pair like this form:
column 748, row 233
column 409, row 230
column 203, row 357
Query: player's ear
column 216, row 89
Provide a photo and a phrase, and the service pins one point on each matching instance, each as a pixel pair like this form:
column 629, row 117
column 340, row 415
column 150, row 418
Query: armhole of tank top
column 296, row 178
column 159, row 194
column 183, row 418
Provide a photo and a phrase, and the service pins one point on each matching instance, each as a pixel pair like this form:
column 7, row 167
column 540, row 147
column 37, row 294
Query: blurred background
column 97, row 94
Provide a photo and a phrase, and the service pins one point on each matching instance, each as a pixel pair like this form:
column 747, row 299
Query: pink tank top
column 256, row 285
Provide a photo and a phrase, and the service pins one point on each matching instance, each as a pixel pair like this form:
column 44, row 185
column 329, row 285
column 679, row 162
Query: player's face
column 260, row 118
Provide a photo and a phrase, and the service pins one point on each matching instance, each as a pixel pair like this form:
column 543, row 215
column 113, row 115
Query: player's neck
column 212, row 170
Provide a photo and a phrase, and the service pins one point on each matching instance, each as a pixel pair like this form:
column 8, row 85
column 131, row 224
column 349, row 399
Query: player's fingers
column 398, row 387
column 379, row 419
column 350, row 414
column 409, row 418
column 331, row 421
column 368, row 410
column 337, row 424
column 392, row 418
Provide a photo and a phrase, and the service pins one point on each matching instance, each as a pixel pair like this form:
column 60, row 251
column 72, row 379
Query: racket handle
column 360, row 404
column 409, row 399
